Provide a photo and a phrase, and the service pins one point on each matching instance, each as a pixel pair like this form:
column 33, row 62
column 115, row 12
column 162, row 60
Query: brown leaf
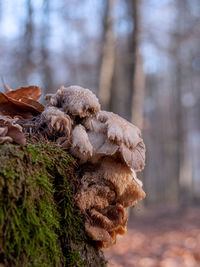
column 39, row 107
column 3, row 98
column 7, row 107
column 10, row 109
column 24, row 107
column 31, row 92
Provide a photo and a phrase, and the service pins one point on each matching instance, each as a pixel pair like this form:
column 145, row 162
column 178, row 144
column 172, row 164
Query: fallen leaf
column 3, row 98
column 12, row 107
column 31, row 92
column 39, row 107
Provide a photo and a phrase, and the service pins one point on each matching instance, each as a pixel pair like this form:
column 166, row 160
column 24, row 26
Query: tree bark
column 39, row 222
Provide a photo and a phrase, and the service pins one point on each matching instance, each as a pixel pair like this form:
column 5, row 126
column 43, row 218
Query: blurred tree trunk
column 137, row 80
column 138, row 92
column 108, row 57
column 173, row 182
column 137, row 75
column 185, row 184
column 182, row 184
column 129, row 77
column 28, row 43
column 45, row 61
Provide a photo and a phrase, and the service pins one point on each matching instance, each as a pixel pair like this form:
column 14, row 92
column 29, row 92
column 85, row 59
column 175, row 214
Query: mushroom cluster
column 110, row 150
column 11, row 131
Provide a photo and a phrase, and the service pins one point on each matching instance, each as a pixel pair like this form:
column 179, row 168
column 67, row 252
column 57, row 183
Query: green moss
column 39, row 223
column 28, row 215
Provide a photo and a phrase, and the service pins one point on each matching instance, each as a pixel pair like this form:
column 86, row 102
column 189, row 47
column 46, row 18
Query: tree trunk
column 108, row 57
column 45, row 63
column 137, row 72
column 183, row 180
column 39, row 222
column 27, row 59
column 138, row 92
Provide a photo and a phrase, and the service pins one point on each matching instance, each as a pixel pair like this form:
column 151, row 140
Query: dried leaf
column 11, row 110
column 3, row 98
column 7, row 107
column 24, row 106
column 31, row 92
column 39, row 107
column 12, row 107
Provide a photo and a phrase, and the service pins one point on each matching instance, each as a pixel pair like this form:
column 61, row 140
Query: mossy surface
column 39, row 223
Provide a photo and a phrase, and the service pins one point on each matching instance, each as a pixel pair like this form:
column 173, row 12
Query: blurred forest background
column 142, row 58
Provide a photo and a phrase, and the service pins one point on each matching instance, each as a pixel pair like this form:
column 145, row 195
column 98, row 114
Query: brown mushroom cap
column 114, row 136
column 10, row 131
column 76, row 101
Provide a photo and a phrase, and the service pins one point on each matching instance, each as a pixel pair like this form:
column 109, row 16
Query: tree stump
column 39, row 222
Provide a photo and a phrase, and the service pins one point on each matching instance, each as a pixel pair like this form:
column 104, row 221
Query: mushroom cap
column 76, row 101
column 99, row 234
column 114, row 136
column 58, row 123
column 10, row 131
column 123, row 179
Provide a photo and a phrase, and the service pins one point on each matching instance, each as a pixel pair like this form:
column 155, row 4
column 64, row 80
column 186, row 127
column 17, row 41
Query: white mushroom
column 58, row 123
column 111, row 135
column 75, row 101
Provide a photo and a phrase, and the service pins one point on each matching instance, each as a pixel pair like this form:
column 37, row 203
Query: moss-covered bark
column 39, row 223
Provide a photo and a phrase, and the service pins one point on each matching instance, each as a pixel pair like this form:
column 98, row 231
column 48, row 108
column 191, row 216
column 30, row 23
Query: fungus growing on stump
column 110, row 150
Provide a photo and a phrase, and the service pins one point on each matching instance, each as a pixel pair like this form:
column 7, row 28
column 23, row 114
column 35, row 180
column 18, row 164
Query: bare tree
column 27, row 63
column 108, row 56
column 137, row 80
column 184, row 180
column 45, row 33
column 138, row 92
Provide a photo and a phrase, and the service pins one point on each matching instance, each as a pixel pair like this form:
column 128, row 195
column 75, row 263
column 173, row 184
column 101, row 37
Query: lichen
column 39, row 223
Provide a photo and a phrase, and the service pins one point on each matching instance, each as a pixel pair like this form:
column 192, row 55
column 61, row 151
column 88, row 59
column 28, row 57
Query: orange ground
column 168, row 239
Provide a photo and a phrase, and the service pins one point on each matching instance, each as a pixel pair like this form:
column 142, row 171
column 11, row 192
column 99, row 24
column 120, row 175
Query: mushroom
column 111, row 135
column 110, row 151
column 75, row 101
column 58, row 123
column 104, row 193
column 10, row 131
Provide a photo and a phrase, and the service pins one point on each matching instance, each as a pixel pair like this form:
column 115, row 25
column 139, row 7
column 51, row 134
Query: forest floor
column 159, row 239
